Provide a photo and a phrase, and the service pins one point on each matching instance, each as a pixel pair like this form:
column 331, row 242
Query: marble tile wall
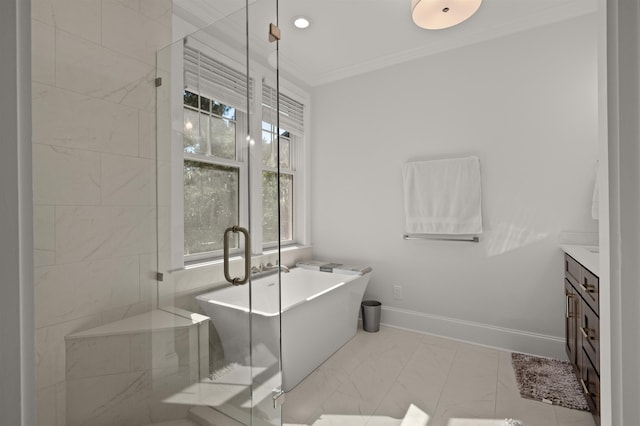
column 94, row 176
column 124, row 379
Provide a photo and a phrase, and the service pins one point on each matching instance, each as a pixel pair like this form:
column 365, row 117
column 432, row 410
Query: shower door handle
column 247, row 255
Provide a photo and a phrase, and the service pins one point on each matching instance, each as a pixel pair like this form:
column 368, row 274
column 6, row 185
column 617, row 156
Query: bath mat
column 548, row 380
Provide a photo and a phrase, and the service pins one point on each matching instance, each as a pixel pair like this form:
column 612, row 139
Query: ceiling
column 351, row 37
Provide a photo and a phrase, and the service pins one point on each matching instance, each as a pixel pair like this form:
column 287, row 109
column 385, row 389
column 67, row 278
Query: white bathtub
column 319, row 315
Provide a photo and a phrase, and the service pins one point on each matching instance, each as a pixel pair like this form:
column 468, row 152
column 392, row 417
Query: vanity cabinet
column 582, row 329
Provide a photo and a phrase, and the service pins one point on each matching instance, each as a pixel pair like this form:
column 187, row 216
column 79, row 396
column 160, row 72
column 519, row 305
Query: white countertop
column 587, row 256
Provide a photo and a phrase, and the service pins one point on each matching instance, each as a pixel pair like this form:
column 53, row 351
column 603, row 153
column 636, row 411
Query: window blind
column 291, row 111
column 213, row 79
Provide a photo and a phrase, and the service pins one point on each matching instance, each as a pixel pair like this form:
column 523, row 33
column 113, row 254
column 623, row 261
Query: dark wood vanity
column 582, row 329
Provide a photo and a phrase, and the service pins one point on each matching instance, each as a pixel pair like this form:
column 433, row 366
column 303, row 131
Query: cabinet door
column 590, row 332
column 590, row 382
column 572, row 316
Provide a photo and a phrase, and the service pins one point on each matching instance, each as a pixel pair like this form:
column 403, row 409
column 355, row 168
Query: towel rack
column 466, row 239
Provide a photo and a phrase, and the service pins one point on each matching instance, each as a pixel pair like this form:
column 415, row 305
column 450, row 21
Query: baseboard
column 472, row 332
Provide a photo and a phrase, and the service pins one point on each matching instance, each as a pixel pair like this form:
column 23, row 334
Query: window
column 270, row 198
column 215, row 166
column 291, row 131
column 211, row 185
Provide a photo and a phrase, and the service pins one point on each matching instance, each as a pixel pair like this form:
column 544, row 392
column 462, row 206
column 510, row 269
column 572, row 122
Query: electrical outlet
column 397, row 292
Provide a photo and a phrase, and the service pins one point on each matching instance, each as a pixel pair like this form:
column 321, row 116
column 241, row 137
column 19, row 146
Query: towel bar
column 472, row 239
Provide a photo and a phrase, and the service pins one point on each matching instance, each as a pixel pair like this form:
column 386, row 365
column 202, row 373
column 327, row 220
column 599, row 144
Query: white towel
column 443, row 196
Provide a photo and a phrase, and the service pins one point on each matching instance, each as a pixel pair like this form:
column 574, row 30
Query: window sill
column 203, row 263
column 288, row 247
column 193, row 264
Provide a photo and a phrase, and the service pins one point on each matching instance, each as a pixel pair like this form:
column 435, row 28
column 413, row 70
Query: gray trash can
column 371, row 315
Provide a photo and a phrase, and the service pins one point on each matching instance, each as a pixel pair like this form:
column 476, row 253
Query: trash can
column 371, row 315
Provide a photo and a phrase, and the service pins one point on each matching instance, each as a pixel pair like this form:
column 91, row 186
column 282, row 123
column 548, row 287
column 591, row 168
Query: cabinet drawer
column 572, row 270
column 590, row 290
column 590, row 334
column 591, row 387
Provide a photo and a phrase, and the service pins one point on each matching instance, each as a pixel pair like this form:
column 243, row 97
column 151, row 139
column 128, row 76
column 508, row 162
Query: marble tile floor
column 375, row 377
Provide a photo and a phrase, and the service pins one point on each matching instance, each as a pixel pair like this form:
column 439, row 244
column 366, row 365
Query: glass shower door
column 215, row 204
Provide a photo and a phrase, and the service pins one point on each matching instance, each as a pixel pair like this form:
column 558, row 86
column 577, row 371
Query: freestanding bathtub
column 319, row 315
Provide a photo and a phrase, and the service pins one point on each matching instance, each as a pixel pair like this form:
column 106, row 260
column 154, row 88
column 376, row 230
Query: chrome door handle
column 247, row 255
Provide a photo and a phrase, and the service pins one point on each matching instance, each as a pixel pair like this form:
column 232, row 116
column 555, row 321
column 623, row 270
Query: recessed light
column 301, row 22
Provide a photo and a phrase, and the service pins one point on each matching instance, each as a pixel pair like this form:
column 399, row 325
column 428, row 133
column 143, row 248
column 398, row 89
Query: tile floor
column 374, row 378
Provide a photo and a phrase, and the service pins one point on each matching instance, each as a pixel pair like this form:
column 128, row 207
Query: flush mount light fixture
column 301, row 22
column 439, row 14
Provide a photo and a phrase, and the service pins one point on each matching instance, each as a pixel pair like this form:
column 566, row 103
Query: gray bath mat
column 548, row 380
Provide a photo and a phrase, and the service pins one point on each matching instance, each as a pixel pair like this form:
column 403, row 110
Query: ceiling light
column 439, row 14
column 301, row 22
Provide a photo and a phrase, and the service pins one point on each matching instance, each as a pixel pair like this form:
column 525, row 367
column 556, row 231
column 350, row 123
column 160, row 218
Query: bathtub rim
column 346, row 279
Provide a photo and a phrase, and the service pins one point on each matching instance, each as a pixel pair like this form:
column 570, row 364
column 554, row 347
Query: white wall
column 622, row 385
column 17, row 378
column 527, row 106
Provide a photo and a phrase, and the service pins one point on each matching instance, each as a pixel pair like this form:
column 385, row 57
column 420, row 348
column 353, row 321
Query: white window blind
column 215, row 80
column 291, row 111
